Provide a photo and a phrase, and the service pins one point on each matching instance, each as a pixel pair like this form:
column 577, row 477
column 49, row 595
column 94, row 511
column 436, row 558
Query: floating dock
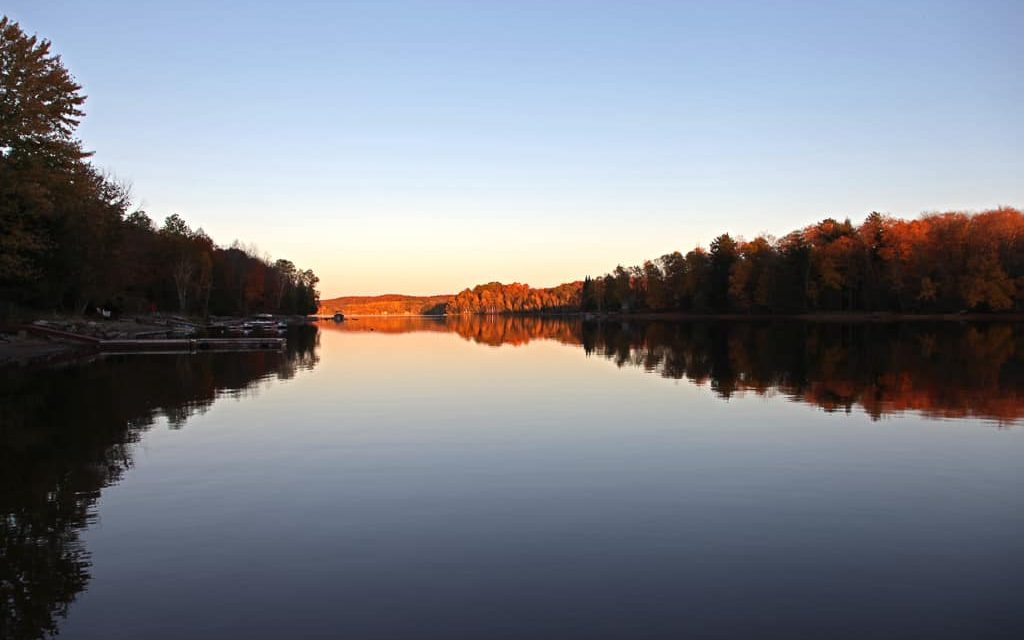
column 164, row 345
column 194, row 344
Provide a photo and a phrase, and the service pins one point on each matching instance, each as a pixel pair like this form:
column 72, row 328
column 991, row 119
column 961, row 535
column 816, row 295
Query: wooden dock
column 193, row 344
column 163, row 345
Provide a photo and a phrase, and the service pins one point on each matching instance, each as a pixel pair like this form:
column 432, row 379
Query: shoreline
column 19, row 348
column 56, row 339
column 842, row 316
column 824, row 316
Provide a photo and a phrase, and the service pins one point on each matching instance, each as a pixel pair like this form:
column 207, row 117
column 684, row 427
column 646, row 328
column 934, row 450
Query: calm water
column 511, row 478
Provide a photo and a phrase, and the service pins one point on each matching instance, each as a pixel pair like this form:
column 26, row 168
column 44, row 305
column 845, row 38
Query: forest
column 495, row 297
column 388, row 304
column 939, row 263
column 69, row 240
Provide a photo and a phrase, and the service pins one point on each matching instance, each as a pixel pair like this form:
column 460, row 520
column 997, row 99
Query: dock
column 163, row 345
column 193, row 344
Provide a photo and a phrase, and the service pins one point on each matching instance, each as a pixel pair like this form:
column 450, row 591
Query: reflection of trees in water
column 941, row 370
column 948, row 370
column 386, row 324
column 496, row 330
column 66, row 434
column 492, row 330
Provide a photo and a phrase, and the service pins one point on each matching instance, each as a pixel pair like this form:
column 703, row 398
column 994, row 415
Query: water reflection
column 494, row 331
column 66, row 433
column 941, row 370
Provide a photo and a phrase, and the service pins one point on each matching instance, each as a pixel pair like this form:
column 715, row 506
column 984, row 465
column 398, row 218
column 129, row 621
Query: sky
column 425, row 147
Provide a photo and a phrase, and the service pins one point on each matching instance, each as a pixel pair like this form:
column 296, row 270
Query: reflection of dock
column 193, row 344
column 163, row 345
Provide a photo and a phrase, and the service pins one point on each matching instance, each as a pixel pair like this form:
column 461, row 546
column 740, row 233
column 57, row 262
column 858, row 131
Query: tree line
column 496, row 297
column 388, row 304
column 69, row 240
column 938, row 263
column 176, row 267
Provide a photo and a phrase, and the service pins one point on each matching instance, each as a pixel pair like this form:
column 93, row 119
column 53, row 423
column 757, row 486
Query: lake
column 525, row 478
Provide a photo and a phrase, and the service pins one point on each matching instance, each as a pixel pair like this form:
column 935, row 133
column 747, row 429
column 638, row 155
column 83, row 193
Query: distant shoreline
column 28, row 350
column 858, row 316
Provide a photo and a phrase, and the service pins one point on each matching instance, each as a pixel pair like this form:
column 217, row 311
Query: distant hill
column 391, row 305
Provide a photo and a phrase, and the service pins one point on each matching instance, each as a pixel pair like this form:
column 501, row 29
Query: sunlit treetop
column 40, row 102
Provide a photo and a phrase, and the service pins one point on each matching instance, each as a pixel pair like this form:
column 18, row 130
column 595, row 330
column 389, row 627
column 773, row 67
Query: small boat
column 265, row 324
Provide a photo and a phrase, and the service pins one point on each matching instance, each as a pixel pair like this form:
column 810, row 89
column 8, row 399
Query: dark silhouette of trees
column 67, row 238
column 723, row 256
column 947, row 370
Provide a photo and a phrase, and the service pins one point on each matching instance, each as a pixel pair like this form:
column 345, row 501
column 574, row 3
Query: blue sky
column 422, row 147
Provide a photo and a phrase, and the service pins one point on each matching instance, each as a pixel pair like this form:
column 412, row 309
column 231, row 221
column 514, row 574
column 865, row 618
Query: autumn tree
column 673, row 270
column 696, row 284
column 723, row 256
column 752, row 281
column 67, row 240
column 946, row 262
column 42, row 169
column 658, row 297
